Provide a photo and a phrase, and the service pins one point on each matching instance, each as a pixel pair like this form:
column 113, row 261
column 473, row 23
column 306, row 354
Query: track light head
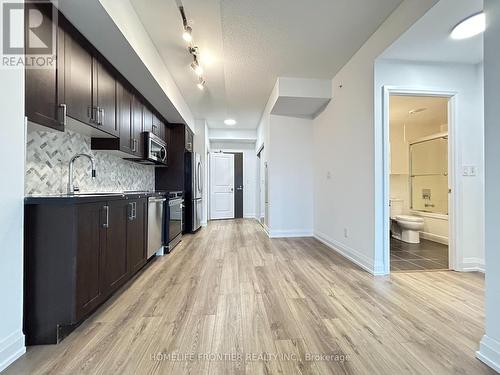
column 201, row 84
column 187, row 35
column 197, row 68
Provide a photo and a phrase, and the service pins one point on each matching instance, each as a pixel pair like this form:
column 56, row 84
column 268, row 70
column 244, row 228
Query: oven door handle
column 175, row 202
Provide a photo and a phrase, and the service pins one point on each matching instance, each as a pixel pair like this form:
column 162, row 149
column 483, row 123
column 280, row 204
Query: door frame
column 235, row 153
column 383, row 209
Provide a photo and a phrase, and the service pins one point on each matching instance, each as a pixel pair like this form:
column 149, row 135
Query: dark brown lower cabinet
column 115, row 252
column 136, row 235
column 76, row 256
column 90, row 242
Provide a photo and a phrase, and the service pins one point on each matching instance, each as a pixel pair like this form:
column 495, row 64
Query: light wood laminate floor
column 243, row 303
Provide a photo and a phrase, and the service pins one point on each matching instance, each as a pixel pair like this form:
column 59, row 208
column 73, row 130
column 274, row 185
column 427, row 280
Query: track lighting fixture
column 192, row 47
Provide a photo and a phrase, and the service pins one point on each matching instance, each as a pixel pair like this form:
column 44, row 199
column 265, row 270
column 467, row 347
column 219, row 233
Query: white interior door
column 221, row 186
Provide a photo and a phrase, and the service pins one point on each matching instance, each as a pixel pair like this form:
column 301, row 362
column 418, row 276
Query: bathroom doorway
column 419, row 181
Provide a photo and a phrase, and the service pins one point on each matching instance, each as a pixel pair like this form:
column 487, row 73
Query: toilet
column 405, row 228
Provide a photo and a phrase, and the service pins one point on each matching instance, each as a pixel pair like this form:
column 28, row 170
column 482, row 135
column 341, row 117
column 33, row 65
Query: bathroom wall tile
column 48, row 155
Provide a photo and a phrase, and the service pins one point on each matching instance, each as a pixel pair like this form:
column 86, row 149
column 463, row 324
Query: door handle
column 64, row 109
column 101, row 117
column 106, row 217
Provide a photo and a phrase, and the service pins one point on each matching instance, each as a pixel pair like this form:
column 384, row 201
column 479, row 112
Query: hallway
column 243, row 303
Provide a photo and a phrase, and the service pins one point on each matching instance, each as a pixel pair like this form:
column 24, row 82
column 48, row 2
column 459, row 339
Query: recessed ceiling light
column 201, row 84
column 230, row 122
column 469, row 27
column 187, row 36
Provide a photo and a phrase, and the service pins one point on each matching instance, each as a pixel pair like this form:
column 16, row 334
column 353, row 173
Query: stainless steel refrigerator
column 197, row 191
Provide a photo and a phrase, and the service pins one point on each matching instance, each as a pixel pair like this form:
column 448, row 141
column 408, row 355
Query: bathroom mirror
column 429, row 175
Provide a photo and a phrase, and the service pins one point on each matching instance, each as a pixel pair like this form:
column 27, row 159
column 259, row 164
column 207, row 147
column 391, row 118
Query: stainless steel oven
column 155, row 150
column 174, row 220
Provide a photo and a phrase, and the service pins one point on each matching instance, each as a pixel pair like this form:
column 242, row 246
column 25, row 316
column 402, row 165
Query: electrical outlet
column 346, row 233
column 328, row 175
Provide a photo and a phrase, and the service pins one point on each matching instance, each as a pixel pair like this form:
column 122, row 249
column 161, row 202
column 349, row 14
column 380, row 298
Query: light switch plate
column 469, row 170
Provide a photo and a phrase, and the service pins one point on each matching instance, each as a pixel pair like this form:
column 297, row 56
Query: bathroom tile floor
column 427, row 255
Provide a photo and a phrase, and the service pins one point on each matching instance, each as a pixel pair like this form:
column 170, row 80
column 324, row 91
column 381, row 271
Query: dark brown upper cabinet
column 89, row 85
column 45, row 87
column 189, row 139
column 147, row 119
column 157, row 125
column 137, row 126
column 124, row 111
column 78, row 76
column 104, row 98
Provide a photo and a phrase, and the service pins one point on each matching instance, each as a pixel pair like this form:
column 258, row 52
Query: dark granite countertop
column 84, row 197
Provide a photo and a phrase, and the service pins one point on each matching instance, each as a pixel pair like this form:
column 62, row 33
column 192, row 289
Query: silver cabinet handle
column 106, row 217
column 132, row 211
column 134, row 145
column 101, row 111
column 95, row 115
column 64, row 109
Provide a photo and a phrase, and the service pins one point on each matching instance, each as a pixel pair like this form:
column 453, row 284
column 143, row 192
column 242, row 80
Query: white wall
column 344, row 142
column 233, row 134
column 12, row 132
column 290, row 173
column 489, row 351
column 201, row 146
column 467, row 82
column 249, row 172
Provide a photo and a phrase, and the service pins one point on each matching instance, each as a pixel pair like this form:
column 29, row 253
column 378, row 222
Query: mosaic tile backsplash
column 48, row 155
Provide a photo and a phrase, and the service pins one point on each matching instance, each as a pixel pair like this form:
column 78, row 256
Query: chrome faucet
column 71, row 187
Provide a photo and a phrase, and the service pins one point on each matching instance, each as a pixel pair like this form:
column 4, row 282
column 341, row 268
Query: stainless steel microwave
column 155, row 150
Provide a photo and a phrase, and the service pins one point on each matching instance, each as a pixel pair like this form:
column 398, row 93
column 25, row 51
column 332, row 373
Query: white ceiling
column 429, row 38
column 255, row 41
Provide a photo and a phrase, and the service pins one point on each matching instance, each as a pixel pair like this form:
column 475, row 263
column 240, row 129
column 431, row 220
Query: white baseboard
column 471, row 265
column 249, row 216
column 434, row 237
column 489, row 352
column 354, row 256
column 203, row 223
column 11, row 348
column 276, row 233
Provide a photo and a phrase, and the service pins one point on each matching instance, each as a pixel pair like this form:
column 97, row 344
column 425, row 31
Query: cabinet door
column 78, row 69
column 124, row 114
column 44, row 86
column 189, row 139
column 115, row 254
column 136, row 235
column 137, row 119
column 161, row 134
column 156, row 126
column 90, row 241
column 147, row 119
column 105, row 99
